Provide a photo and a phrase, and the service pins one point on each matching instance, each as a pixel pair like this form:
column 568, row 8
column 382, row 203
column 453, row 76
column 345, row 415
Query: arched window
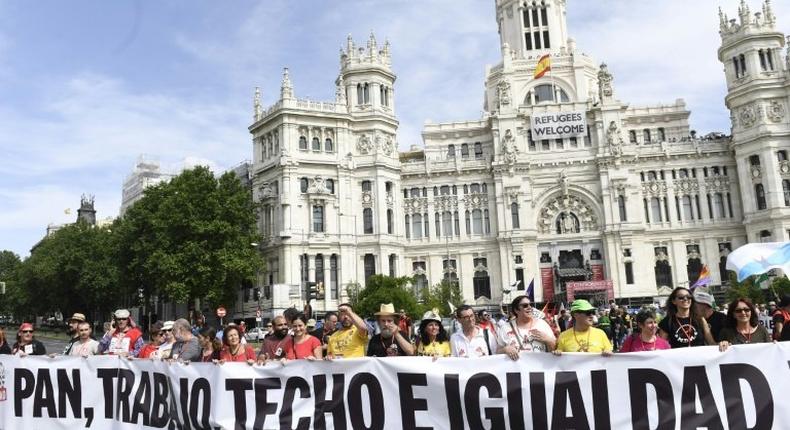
column 303, row 185
column 567, row 223
column 438, row 224
column 484, row 188
column 646, row 135
column 426, row 221
column 759, row 194
column 360, row 96
column 683, row 173
column 447, row 223
column 632, row 136
column 366, row 93
column 367, row 186
column 330, row 185
column 688, row 212
column 416, row 222
column 786, row 191
column 369, row 263
column 514, row 215
column 466, row 189
column 420, row 280
column 781, row 155
column 465, row 150
column 319, row 268
column 765, row 236
column 754, row 160
column 544, row 93
column 481, row 281
column 408, row 227
column 302, row 143
column 318, row 219
column 450, row 151
column 367, row 221
column 662, row 134
column 468, row 219
column 329, row 146
column 655, row 210
column 478, row 150
column 390, row 221
column 718, row 206
column 487, row 221
column 475, row 188
column 316, row 144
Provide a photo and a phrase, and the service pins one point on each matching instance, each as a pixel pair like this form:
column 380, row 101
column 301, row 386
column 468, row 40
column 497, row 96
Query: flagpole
column 553, row 84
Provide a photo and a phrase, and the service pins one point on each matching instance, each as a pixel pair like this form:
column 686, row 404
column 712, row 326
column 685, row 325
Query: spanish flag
column 544, row 65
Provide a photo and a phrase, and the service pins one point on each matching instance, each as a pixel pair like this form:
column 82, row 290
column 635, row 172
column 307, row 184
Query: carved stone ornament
column 417, row 205
column 367, row 199
column 419, row 271
column 615, row 139
column 756, row 173
column 388, row 145
column 390, row 199
column 509, row 150
column 661, row 256
column 605, row 79
column 266, row 191
column 476, row 201
column 481, row 268
column 686, row 186
column 317, row 186
column 654, row 188
column 578, row 216
column 748, row 116
column 503, row 92
column 717, row 184
column 784, row 167
column 365, row 145
column 776, row 111
column 446, row 203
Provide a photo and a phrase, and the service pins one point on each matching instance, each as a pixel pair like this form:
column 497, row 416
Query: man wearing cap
column 781, row 317
column 351, row 337
column 74, row 323
column 583, row 337
column 125, row 340
column 390, row 342
column 26, row 344
column 705, row 307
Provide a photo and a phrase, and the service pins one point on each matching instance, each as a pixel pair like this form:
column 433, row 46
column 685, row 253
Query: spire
column 340, row 91
column 372, row 47
column 286, row 88
column 350, row 46
column 768, row 13
column 386, row 50
column 722, row 20
column 744, row 13
column 256, row 103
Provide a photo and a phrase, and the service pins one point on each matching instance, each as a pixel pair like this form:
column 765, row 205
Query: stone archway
column 567, row 214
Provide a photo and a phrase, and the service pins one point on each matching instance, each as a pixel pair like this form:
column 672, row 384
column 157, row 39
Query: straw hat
column 386, row 309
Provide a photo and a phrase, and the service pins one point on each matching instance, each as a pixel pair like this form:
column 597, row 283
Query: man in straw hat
column 391, row 342
column 74, row 323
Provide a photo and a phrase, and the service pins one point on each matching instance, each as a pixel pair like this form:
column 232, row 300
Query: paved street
column 53, row 345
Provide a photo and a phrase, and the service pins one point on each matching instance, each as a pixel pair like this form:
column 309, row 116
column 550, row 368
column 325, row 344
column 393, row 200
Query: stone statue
column 563, row 181
column 340, row 92
column 509, row 150
column 257, row 104
column 388, row 146
column 365, row 145
column 615, row 139
column 605, row 79
column 503, row 92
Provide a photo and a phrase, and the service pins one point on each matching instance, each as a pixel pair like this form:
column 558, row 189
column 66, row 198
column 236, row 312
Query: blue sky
column 88, row 86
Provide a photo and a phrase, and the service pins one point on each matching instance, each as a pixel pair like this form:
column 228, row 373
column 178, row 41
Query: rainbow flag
column 704, row 278
column 543, row 66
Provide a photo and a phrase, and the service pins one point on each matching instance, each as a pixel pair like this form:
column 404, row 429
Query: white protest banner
column 767, row 321
column 744, row 387
column 558, row 125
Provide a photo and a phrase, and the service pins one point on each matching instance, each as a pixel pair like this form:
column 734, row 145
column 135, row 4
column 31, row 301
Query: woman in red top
column 234, row 350
column 645, row 339
column 151, row 349
column 305, row 346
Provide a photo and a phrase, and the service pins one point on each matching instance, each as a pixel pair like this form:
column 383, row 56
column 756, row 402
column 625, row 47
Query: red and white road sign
column 221, row 312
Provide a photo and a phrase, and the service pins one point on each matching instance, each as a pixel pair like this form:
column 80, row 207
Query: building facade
column 147, row 172
column 635, row 205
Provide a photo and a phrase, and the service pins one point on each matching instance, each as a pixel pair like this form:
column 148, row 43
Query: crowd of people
column 688, row 319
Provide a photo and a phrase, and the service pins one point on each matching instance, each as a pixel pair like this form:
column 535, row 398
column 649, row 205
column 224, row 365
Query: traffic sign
column 221, row 312
column 258, row 313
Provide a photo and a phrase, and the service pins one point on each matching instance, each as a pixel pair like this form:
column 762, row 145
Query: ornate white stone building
column 636, row 200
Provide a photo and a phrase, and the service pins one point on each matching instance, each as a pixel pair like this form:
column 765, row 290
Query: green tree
column 72, row 270
column 440, row 296
column 190, row 238
column 745, row 288
column 780, row 286
column 10, row 264
column 380, row 289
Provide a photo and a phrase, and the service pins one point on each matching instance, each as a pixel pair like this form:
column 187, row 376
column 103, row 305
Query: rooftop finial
column 256, row 102
column 744, row 12
column 768, row 13
column 350, row 46
column 340, row 91
column 286, row 88
column 372, row 47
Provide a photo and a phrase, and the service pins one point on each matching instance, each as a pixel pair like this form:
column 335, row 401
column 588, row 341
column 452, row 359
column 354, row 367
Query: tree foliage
column 380, row 289
column 440, row 296
column 10, row 264
column 191, row 238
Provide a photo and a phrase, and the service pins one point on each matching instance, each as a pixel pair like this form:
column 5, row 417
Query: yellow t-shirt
column 592, row 340
column 348, row 343
column 440, row 349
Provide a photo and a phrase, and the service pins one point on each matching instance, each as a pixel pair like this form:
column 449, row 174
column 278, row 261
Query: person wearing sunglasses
column 125, row 340
column 583, row 337
column 26, row 344
column 151, row 349
column 742, row 326
column 683, row 326
column 524, row 332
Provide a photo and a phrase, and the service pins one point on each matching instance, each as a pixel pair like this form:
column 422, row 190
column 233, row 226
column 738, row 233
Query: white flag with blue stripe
column 758, row 258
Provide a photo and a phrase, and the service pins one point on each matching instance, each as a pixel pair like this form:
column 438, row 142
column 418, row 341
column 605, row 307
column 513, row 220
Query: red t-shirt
column 306, row 348
column 147, row 350
column 245, row 353
column 276, row 349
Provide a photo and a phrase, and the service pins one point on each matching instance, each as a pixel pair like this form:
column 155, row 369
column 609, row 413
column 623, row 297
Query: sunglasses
column 121, row 319
column 26, row 331
column 742, row 310
column 166, row 331
column 525, row 305
column 683, row 298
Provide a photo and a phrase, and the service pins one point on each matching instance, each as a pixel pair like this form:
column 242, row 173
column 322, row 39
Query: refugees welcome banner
column 745, row 387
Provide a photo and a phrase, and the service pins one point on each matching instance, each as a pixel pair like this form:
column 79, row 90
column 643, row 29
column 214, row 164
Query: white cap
column 168, row 325
column 122, row 313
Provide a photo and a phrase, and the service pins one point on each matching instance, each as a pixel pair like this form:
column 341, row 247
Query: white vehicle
column 257, row 333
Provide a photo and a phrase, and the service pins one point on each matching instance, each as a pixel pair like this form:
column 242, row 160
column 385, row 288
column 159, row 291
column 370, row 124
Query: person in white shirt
column 471, row 341
column 525, row 332
column 85, row 345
